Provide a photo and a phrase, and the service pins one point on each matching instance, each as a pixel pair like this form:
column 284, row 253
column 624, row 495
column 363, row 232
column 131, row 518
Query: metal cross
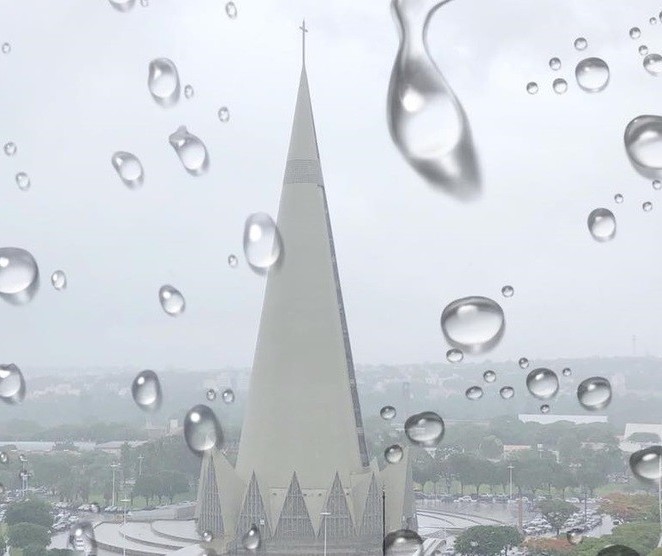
column 304, row 30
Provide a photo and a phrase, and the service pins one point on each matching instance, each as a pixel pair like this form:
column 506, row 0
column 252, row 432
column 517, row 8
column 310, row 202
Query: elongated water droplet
column 10, row 148
column 207, row 536
column 523, row 363
column 262, row 243
column 6, row 48
column 23, row 181
column 592, row 74
column 82, row 538
column 211, row 394
column 387, row 412
column 507, row 392
column 403, row 542
column 635, row 33
column 4, row 457
column 425, row 118
column 163, row 81
column 231, row 10
column 643, row 50
column 647, row 206
column 555, row 63
column 202, row 430
column 542, row 383
column 567, row 371
column 617, row 550
column 12, row 384
column 575, row 536
column 454, row 355
column 653, row 64
column 646, row 464
column 146, row 390
column 128, row 168
column 122, row 5
column 618, row 198
column 594, row 393
column 532, row 87
column 189, row 91
column 224, row 114
column 172, row 300
column 544, row 409
column 489, row 376
column 474, row 393
column 474, row 324
column 59, row 280
column 602, row 224
column 581, row 43
column 425, row 429
column 251, row 539
column 191, row 151
column 233, row 261
column 393, row 454
column 228, row 396
column 560, row 86
column 19, row 275
column 643, row 145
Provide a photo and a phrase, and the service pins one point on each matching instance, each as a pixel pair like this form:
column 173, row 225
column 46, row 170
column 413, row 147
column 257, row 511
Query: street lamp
column 510, row 470
column 140, row 464
column 114, row 466
column 124, row 501
column 324, row 516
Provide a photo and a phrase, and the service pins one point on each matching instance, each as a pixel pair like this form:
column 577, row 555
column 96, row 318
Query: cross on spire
column 304, row 30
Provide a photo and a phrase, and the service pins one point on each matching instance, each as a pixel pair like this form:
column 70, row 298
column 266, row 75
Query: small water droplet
column 262, row 242
column 643, row 144
column 191, row 151
column 617, row 550
column 474, row 393
column 507, row 291
column 602, row 224
column 575, row 536
column 618, row 198
column 144, row 3
column 581, row 43
column 523, row 363
column 202, row 430
column 653, row 21
column 59, row 280
column 532, row 87
column 653, row 63
column 163, row 81
column 489, row 376
column 22, row 458
column 10, row 148
column 474, row 324
column 4, row 457
column 387, row 412
column 592, row 74
column 228, row 396
column 560, row 86
column 189, row 91
column 542, row 383
column 393, row 454
column 6, row 48
column 207, row 536
column 211, row 394
column 231, row 10
column 122, row 5
column 657, row 185
column 555, row 63
column 507, row 392
column 544, row 409
column 128, row 168
column 82, row 539
column 643, row 50
column 635, row 33
column 224, row 114
column 454, row 355
column 94, row 508
column 647, row 206
column 594, row 393
column 403, row 542
column 567, row 371
column 23, row 181
column 146, row 390
column 172, row 300
column 19, row 275
column 646, row 464
column 251, row 539
column 425, row 429
column 233, row 261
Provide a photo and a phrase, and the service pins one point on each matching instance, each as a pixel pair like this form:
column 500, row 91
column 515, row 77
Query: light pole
column 124, row 501
column 510, row 472
column 324, row 516
column 140, row 464
column 114, row 466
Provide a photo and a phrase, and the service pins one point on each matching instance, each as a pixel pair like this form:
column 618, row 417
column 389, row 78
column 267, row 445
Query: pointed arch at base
column 294, row 521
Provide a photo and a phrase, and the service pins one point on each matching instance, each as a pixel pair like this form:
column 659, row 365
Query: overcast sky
column 73, row 90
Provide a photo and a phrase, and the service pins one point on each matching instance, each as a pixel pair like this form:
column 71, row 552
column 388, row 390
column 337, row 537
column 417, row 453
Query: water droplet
column 474, row 393
column 82, row 539
column 10, row 148
column 172, row 300
column 532, row 87
column 23, row 181
column 122, row 5
column 163, row 81
column 581, row 43
column 387, row 412
column 475, row 324
column 617, row 550
column 23, row 458
column 657, row 185
column 542, row 383
column 454, row 355
column 425, row 429
column 224, row 114
column 201, row 429
column 594, row 393
column 393, row 454
column 635, row 33
column 251, row 539
column 228, row 396
column 4, row 457
column 567, row 371
column 646, row 464
column 544, row 409
column 653, row 63
column 233, row 261
column 191, row 151
column 643, row 144
column 426, row 120
column 507, row 291
column 144, row 3
column 94, row 508
column 507, row 392
column 575, row 536
column 146, row 390
column 560, row 86
column 523, row 363
column 128, row 168
column 403, row 542
column 59, row 280
column 592, row 74
column 489, row 376
column 618, row 198
column 643, row 50
column 653, row 21
column 211, row 394
column 19, row 275
column 555, row 63
column 207, row 536
column 231, row 10
column 647, row 206
column 262, row 243
column 6, row 48
column 189, row 91
column 602, row 224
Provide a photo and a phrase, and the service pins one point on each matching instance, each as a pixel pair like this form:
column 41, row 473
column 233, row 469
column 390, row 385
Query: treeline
column 22, row 430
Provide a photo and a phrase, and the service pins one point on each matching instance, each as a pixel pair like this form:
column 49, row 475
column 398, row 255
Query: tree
column 491, row 447
column 3, row 544
column 173, row 483
column 26, row 534
column 29, row 511
column 556, row 512
column 35, row 550
column 547, row 547
column 631, row 507
column 487, row 540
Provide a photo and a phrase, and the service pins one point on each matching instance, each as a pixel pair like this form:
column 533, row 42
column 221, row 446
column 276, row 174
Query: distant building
column 549, row 418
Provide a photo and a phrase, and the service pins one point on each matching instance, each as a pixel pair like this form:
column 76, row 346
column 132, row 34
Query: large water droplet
column 191, row 151
column 635, row 33
column 647, row 206
column 617, row 550
column 425, row 429
column 19, row 275
column 523, row 363
column 542, row 383
column 251, row 539
column 59, row 280
column 474, row 393
column 122, row 5
column 262, row 243
column 454, row 355
column 507, row 291
column 555, row 63
column 532, row 87
column 202, row 430
column 224, row 114
column 128, row 168
column 403, row 542
column 507, row 392
column 10, row 148
column 646, row 464
column 228, row 396
column 594, row 393
column 23, row 181
column 575, row 536
column 82, row 538
column 393, row 454
column 163, row 81
column 592, row 74
column 581, row 43
column 425, row 118
column 231, row 10
column 602, row 224
column 387, row 412
column 172, row 300
column 12, row 384
column 474, row 324
column 653, row 64
column 146, row 390
column 560, row 86
column 643, row 145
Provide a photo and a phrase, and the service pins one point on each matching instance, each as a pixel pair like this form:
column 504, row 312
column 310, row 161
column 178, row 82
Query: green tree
column 35, row 550
column 556, row 512
column 26, row 534
column 491, row 447
column 487, row 540
column 29, row 511
column 173, row 483
column 3, row 544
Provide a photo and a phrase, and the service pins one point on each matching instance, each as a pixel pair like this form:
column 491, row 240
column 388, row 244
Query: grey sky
column 74, row 91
